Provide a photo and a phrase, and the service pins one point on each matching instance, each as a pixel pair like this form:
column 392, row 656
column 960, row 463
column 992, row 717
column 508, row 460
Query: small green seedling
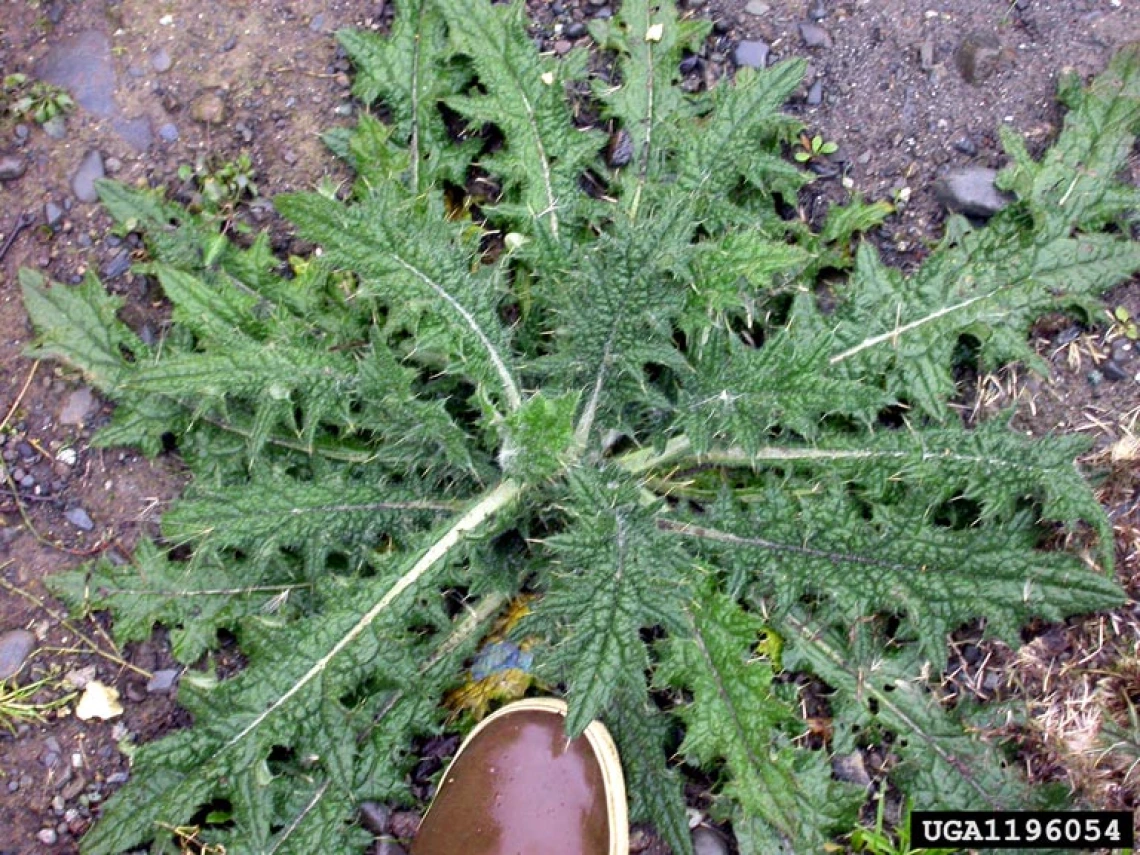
column 222, row 187
column 814, row 148
column 879, row 841
column 1124, row 323
column 41, row 102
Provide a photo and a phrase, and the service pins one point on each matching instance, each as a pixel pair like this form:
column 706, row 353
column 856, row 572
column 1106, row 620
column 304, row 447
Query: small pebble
column 168, row 133
column 814, row 35
column 112, row 165
column 1095, row 378
column 162, row 681
column 706, row 841
column 817, row 11
column 83, row 181
column 77, row 406
column 47, row 836
column 757, row 7
column 926, row 55
column 15, row 648
column 1113, row 372
column 375, row 816
column 117, row 266
column 751, row 54
column 53, row 215
column 79, row 518
column 815, row 94
column 160, row 60
column 562, row 46
column 966, row 146
column 971, row 191
column 404, row 824
column 55, row 127
column 117, row 778
column 22, row 132
column 576, row 30
column 12, row 166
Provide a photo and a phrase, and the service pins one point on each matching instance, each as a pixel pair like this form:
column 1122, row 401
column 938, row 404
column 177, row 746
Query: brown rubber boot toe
column 517, row 786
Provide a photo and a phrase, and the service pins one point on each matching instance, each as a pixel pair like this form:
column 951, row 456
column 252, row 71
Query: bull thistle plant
column 616, row 391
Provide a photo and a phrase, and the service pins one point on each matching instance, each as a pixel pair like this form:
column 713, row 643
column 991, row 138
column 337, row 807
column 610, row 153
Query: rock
column 374, row 816
column 971, row 191
column 112, row 165
column 15, row 648
column 162, row 682
column 815, row 94
column 817, row 11
column 758, row 8
column 118, row 265
column 134, row 132
column 22, row 132
column 926, row 55
column 752, row 54
column 168, row 133
column 12, row 166
column 388, row 847
column 1113, row 372
column 160, row 60
column 706, row 841
column 404, row 824
column 47, row 836
column 318, row 23
column 56, row 127
column 576, row 30
column 814, row 35
column 977, row 56
column 77, row 406
column 84, row 67
column 83, row 181
column 53, row 215
column 79, row 518
column 562, row 46
column 208, row 109
column 966, row 146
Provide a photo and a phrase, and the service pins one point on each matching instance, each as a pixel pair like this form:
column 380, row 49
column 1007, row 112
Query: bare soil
column 891, row 91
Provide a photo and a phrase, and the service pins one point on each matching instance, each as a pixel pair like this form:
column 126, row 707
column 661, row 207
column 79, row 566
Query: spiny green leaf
column 793, row 543
column 407, row 72
column 193, row 601
column 744, row 392
column 315, row 518
column 654, row 789
column 77, row 325
column 405, row 254
column 524, row 97
column 991, row 285
column 613, row 575
column 1074, row 185
column 944, row 766
column 736, row 714
column 647, row 105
